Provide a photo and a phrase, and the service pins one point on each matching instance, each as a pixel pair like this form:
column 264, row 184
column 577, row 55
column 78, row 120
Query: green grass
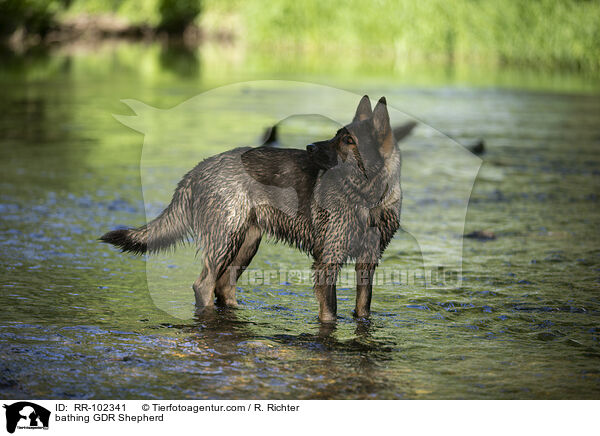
column 546, row 34
column 146, row 12
column 541, row 34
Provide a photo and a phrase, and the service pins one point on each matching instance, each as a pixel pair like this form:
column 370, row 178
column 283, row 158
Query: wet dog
column 337, row 200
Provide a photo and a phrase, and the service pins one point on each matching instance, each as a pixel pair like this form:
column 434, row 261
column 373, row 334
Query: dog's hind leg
column 204, row 287
column 225, row 287
column 220, row 250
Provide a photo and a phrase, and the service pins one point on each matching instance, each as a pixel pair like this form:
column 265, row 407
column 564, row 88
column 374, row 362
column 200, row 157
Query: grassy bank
column 544, row 34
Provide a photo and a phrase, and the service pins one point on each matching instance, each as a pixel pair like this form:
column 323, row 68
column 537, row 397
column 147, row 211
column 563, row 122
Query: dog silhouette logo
column 26, row 415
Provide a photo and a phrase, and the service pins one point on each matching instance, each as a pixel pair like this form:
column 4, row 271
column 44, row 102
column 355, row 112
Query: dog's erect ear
column 381, row 122
column 363, row 111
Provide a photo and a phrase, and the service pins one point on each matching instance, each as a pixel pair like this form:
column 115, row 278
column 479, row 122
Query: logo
column 26, row 415
column 438, row 174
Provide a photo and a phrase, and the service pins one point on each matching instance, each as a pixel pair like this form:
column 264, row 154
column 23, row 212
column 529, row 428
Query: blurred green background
column 542, row 35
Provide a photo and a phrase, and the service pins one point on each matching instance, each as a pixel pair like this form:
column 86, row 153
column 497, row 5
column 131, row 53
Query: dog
column 337, row 200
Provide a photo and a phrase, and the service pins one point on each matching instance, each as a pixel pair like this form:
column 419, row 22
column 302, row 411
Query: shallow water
column 78, row 320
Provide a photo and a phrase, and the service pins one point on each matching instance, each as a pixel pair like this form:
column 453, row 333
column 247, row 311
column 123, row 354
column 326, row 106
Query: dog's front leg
column 364, row 288
column 330, row 256
column 326, row 273
column 326, row 268
column 365, row 272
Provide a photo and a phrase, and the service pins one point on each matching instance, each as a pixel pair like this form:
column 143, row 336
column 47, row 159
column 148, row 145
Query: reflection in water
column 348, row 367
column 78, row 321
column 180, row 59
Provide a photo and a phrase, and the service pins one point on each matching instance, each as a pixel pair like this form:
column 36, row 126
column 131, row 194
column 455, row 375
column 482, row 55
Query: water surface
column 78, row 321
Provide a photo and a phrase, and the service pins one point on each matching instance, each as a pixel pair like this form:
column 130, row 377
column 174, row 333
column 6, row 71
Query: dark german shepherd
column 337, row 200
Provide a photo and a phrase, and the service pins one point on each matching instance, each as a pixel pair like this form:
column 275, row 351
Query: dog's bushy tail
column 170, row 227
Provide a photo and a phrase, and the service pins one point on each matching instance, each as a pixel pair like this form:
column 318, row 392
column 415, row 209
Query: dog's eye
column 348, row 139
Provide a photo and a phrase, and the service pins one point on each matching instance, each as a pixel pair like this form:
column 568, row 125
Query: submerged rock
column 481, row 235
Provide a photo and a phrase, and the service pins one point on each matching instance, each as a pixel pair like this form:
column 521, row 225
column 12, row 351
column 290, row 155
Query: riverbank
column 548, row 35
column 92, row 30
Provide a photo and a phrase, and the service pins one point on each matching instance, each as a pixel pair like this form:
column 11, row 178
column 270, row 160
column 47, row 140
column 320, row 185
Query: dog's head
column 364, row 143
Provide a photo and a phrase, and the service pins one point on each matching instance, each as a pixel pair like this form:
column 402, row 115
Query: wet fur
column 335, row 201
